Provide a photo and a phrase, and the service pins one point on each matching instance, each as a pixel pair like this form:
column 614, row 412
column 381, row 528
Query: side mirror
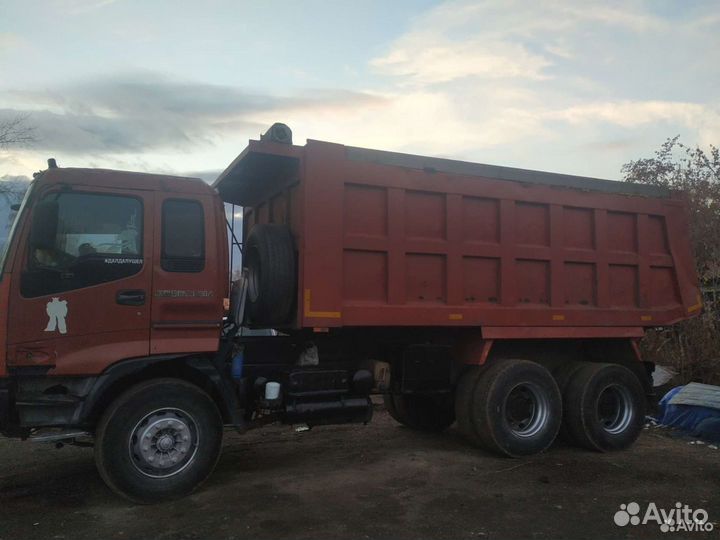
column 44, row 225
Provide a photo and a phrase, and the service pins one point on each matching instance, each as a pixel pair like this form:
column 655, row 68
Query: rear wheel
column 463, row 403
column 421, row 412
column 158, row 441
column 604, row 407
column 512, row 407
column 563, row 375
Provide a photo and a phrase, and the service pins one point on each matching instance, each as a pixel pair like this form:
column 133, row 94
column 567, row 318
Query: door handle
column 134, row 297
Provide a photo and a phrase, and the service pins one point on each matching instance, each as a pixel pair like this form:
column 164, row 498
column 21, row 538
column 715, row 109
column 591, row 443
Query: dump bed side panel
column 391, row 245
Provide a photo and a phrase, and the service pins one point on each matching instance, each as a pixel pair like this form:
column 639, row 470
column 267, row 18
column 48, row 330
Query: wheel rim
column 526, row 410
column 164, row 443
column 615, row 409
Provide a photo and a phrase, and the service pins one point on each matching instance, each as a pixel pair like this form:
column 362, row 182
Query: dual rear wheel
column 517, row 407
column 511, row 407
column 604, row 407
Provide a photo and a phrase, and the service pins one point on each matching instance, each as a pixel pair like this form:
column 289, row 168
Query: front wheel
column 158, row 441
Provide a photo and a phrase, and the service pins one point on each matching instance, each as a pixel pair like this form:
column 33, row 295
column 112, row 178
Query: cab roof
column 108, row 178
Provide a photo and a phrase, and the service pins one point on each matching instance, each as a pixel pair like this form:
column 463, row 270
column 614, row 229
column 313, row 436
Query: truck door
column 79, row 299
column 188, row 280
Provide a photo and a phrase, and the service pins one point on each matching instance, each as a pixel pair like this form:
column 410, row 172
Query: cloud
column 427, row 120
column 442, row 60
column 623, row 15
column 9, row 42
column 631, row 113
column 143, row 112
column 546, row 84
column 536, row 73
column 82, row 6
column 441, row 46
column 498, row 40
column 704, row 118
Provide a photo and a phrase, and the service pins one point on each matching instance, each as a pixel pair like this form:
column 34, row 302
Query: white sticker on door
column 57, row 311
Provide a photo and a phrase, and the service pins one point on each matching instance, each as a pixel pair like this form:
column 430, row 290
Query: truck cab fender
column 202, row 371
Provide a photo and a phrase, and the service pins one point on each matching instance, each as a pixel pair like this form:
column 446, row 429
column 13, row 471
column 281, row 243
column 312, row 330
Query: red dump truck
column 508, row 300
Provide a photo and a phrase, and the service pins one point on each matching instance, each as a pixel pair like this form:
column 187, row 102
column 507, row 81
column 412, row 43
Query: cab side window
column 183, row 236
column 82, row 239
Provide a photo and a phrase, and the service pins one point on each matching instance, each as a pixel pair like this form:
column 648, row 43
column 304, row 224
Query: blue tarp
column 694, row 408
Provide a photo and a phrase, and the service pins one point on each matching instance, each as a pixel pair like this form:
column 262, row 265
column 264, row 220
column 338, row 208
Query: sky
column 180, row 86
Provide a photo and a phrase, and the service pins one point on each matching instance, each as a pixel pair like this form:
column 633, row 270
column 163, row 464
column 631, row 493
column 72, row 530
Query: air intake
column 278, row 133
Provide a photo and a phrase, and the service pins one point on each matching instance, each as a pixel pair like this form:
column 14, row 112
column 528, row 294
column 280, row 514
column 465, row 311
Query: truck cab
column 104, row 270
column 107, row 265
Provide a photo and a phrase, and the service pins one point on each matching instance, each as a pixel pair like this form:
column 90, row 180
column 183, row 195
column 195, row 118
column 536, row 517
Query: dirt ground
column 359, row 482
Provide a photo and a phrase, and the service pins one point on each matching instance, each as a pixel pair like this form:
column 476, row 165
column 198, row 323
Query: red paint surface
column 101, row 332
column 384, row 245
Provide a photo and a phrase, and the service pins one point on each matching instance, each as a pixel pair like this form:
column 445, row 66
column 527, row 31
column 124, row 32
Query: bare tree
column 16, row 131
column 696, row 173
column 691, row 347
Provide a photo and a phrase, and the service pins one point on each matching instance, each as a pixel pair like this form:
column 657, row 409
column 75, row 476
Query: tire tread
column 103, row 465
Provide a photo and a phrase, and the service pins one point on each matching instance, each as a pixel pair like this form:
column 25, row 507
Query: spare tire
column 272, row 276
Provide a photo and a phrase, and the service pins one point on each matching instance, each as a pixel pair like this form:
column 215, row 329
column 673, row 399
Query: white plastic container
column 272, row 391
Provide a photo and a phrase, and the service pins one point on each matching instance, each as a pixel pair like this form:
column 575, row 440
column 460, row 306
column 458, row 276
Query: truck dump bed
column 389, row 239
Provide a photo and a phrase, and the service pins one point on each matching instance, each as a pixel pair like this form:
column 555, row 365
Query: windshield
column 12, row 218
